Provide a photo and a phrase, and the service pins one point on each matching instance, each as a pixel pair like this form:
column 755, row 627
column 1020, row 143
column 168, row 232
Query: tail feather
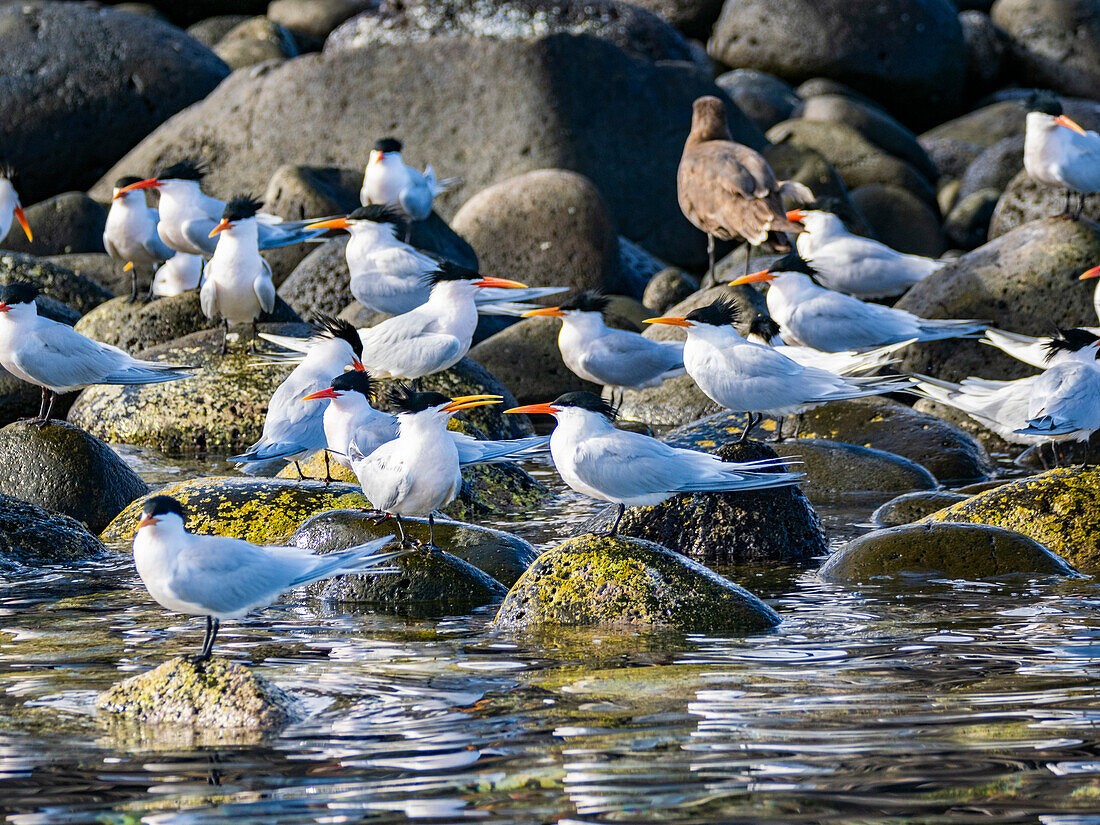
column 356, row 559
column 285, row 234
column 740, row 480
column 289, row 342
column 1046, row 425
column 268, row 451
column 144, row 375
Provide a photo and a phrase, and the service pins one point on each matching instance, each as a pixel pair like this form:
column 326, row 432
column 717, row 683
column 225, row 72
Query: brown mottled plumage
column 727, row 189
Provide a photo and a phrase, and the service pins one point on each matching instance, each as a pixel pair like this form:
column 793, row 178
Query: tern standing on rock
column 59, row 359
column 389, row 182
column 1061, row 154
column 223, row 578
column 728, row 190
column 10, row 208
column 1064, row 403
column 130, row 235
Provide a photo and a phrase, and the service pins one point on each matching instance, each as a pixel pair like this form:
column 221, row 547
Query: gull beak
column 504, row 283
column 545, row 409
column 4, row 307
column 1092, row 273
column 147, row 521
column 22, row 218
column 221, row 227
column 151, row 183
column 467, row 402
column 796, row 215
column 1062, row 120
column 756, row 277
column 357, row 365
column 671, row 320
column 330, row 223
column 550, row 312
column 327, row 392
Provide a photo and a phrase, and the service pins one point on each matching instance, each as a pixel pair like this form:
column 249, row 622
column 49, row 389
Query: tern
column 10, row 208
column 852, row 264
column 294, row 427
column 187, row 215
column 728, row 190
column 1036, row 351
column 755, row 378
column 764, row 330
column 1064, row 402
column 630, row 469
column 603, row 355
column 180, row 273
column 224, row 578
column 811, row 315
column 59, row 359
column 236, row 281
column 388, row 275
column 1060, row 153
column 389, row 182
column 130, row 234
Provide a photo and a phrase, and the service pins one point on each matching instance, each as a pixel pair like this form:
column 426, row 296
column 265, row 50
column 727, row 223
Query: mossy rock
column 776, row 525
column 219, row 694
column 1059, row 509
column 261, row 510
column 910, row 507
column 80, row 293
column 592, row 580
column 33, row 536
column 220, row 409
column 963, row 551
column 503, row 556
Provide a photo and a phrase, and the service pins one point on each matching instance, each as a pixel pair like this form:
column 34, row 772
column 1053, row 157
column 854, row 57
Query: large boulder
column 693, row 17
column 98, row 267
column 908, row 54
column 135, row 325
column 58, row 284
column 766, row 99
column 1054, row 44
column 1024, row 200
column 254, row 41
column 839, row 472
column 910, row 507
column 82, row 84
column 593, row 580
column 536, row 99
column 32, row 536
column 66, row 470
column 66, row 223
column 995, row 167
column 900, row 219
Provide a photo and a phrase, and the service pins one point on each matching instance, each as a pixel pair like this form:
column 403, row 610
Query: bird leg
column 797, row 425
column 212, row 625
column 408, row 231
column 748, row 257
column 252, row 349
column 1068, row 196
column 614, row 529
column 298, row 467
column 431, row 534
column 42, row 407
column 1080, row 206
column 779, row 428
column 225, row 335
column 49, row 409
column 710, row 258
column 133, row 283
column 328, row 474
column 754, row 419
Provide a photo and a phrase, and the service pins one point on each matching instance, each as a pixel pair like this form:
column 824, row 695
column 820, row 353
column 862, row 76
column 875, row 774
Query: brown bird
column 727, row 189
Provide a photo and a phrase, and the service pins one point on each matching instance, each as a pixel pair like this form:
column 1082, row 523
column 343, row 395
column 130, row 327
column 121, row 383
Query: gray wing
column 197, row 233
column 58, row 356
column 265, row 288
column 631, row 357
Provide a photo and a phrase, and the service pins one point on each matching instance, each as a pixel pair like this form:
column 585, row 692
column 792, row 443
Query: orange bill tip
column 549, row 312
column 671, row 321
column 756, row 277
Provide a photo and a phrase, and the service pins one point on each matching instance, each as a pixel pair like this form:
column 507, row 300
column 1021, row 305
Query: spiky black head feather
column 163, row 505
column 240, row 207
column 126, row 180
column 826, row 203
column 355, row 381
column 387, row 144
column 450, row 271
column 764, row 326
column 7, row 169
column 793, row 262
column 1069, row 340
column 328, row 327
column 19, row 292
column 586, row 401
column 378, row 213
column 720, row 313
column 405, row 399
column 186, row 169
column 1044, row 101
column 589, row 301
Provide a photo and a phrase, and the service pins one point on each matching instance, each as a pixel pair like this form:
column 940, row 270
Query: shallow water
column 923, row 701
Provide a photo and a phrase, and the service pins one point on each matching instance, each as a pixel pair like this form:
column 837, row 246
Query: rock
column 667, row 288
column 311, row 21
column 97, row 267
column 766, row 99
column 968, row 223
column 985, row 51
column 763, row 526
column 71, row 222
column 212, row 29
column 63, row 469
column 32, row 536
column 85, row 84
column 692, row 17
column 19, row 399
column 633, row 269
column 535, row 110
column 816, row 86
column 1039, row 457
column 951, row 155
column 908, row 54
column 218, row 695
column 137, row 326
column 1025, row 200
column 548, row 227
column 793, row 161
column 910, row 507
column 900, row 219
column 184, row 14
column 254, row 41
column 995, row 167
column 982, row 127
column 61, row 288
column 1053, row 43
column 591, row 580
column 1025, row 281
column 957, row 551
column 1056, row 508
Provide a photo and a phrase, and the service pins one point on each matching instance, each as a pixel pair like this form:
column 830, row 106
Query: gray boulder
column 766, row 99
column 900, row 219
column 1054, row 44
column 65, row 295
column 254, row 41
column 910, row 507
column 32, row 536
column 71, row 222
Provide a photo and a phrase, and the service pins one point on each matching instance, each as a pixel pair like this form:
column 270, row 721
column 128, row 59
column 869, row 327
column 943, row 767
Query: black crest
column 793, row 262
column 354, row 381
column 19, row 292
column 378, row 213
column 1045, row 102
column 186, row 169
column 1069, row 340
column 387, row 144
column 827, row 203
column 764, row 326
column 162, row 506
column 7, row 169
column 589, row 301
column 450, row 271
column 586, row 401
column 720, row 313
column 406, row 400
column 126, row 181
column 329, row 327
column 240, row 207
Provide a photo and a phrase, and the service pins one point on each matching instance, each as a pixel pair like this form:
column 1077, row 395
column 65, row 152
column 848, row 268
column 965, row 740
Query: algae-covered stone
column 971, row 551
column 219, row 694
column 910, row 507
column 31, row 535
column 76, row 291
column 261, row 510
column 592, row 580
column 1060, row 509
column 501, row 555
column 64, row 469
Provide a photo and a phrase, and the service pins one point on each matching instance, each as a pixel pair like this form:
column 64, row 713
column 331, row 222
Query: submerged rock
column 970, row 551
column 219, row 694
column 910, row 507
column 32, row 536
column 592, row 580
column 64, row 469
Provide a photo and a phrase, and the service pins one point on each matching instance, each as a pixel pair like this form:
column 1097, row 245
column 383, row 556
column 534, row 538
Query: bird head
column 238, row 208
column 452, row 273
column 187, row 172
column 337, row 329
column 11, row 197
column 581, row 402
column 18, row 296
column 791, row 262
column 384, row 148
column 720, row 313
column 347, row 382
column 373, row 215
column 161, row 512
column 589, row 301
column 433, row 405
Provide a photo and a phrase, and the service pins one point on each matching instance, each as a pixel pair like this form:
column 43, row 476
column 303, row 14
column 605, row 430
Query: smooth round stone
column 910, row 507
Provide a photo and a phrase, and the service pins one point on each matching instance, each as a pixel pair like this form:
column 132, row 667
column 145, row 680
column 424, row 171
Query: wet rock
column 993, row 443
column 591, row 580
column 311, row 21
column 1056, row 508
column 1025, row 200
column 218, row 695
column 908, row 54
column 71, row 222
column 212, row 29
column 99, row 268
column 1040, row 457
column 985, row 51
column 817, row 86
column 967, row 225
column 31, row 536
column 760, row 526
column 1025, row 281
column 61, row 288
column 254, row 41
column 910, row 507
column 668, row 288
column 951, row 155
column 900, row 219
column 63, row 469
column 766, row 99
column 964, row 551
column 995, row 167
column 1053, row 43
column 91, row 82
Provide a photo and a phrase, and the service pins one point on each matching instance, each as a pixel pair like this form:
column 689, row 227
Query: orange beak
column 550, row 312
column 376, row 156
column 467, row 402
column 4, row 307
column 150, row 183
column 357, row 365
column 504, row 283
column 128, row 267
column 221, row 227
column 148, row 520
column 670, row 321
column 1062, row 120
column 755, row 278
column 1092, row 273
column 545, row 409
column 796, row 215
column 331, row 223
column 22, row 218
column 327, row 392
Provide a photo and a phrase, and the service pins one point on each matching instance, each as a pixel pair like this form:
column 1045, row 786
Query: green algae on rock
column 594, row 580
column 220, row 694
column 1059, row 509
column 31, row 536
column 970, row 551
column 910, row 507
